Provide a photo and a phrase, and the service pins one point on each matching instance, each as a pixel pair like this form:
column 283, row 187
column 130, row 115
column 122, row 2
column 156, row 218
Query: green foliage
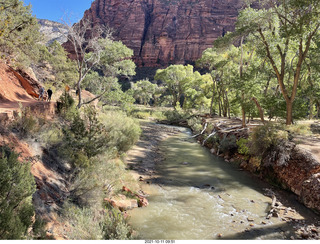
column 65, row 106
column 228, row 144
column 123, row 132
column 85, row 138
column 64, row 69
column 85, row 223
column 271, row 143
column 184, row 85
column 19, row 32
column 299, row 129
column 115, row 226
column 17, row 186
column 91, row 224
column 144, row 90
column 26, row 122
column 243, row 148
column 140, row 114
column 195, row 124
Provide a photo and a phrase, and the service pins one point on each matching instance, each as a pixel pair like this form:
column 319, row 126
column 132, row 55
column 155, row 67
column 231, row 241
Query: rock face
column 163, row 32
column 53, row 31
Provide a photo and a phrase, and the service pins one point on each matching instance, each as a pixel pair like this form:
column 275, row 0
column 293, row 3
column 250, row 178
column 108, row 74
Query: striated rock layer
column 163, row 32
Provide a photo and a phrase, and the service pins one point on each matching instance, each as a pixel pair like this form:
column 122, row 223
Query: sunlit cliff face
column 163, row 32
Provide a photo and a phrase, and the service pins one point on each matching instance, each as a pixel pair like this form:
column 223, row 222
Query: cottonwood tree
column 286, row 30
column 144, row 90
column 181, row 82
column 86, row 50
column 93, row 52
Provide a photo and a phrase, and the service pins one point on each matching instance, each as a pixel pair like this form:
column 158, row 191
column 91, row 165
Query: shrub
column 228, row 144
column 140, row 114
column 85, row 138
column 243, row 148
column 195, row 124
column 302, row 129
column 25, row 122
column 123, row 132
column 84, row 223
column 95, row 224
column 115, row 226
column 158, row 115
column 66, row 106
column 17, row 187
column 270, row 142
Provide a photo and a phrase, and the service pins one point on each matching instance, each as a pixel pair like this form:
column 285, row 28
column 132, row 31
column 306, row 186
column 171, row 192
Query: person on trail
column 49, row 91
column 41, row 93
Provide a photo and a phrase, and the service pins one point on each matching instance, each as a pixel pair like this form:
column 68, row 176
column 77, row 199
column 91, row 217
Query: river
column 198, row 196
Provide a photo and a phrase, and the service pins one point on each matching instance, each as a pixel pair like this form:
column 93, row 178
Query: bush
column 84, row 223
column 270, row 142
column 115, row 226
column 85, row 138
column 66, row 106
column 228, row 144
column 195, row 124
column 243, row 148
column 95, row 224
column 25, row 122
column 17, row 187
column 140, row 114
column 123, row 132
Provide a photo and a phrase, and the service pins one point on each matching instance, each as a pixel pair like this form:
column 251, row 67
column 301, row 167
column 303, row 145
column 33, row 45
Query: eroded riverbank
column 195, row 195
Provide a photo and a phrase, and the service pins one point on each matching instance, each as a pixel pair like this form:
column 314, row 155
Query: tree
column 17, row 186
column 286, row 32
column 19, row 32
column 180, row 81
column 63, row 68
column 144, row 90
column 92, row 52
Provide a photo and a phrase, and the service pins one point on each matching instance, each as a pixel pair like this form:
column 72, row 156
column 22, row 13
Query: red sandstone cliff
column 163, row 32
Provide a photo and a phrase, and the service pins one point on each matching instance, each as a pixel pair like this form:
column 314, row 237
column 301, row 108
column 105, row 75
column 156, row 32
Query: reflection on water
column 202, row 197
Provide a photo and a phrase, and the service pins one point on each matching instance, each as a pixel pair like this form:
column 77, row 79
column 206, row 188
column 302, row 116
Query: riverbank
column 144, row 158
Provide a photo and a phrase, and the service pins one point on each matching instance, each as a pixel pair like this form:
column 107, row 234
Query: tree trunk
column 79, row 94
column 311, row 109
column 289, row 119
column 259, row 108
column 243, row 117
column 212, row 99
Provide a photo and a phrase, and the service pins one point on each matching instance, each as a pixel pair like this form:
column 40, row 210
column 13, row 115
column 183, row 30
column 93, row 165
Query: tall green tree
column 144, row 90
column 19, row 32
column 181, row 82
column 286, row 30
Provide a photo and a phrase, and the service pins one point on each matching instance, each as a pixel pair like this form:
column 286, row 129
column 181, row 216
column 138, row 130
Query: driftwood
column 275, row 208
column 205, row 127
column 212, row 134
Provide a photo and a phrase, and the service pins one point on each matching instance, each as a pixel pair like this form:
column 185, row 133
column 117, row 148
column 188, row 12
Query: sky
column 56, row 9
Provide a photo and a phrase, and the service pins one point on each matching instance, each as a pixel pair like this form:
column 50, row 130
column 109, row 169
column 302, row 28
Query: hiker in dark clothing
column 41, row 93
column 49, row 91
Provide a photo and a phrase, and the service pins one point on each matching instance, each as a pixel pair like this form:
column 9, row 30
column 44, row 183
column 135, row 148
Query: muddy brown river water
column 198, row 196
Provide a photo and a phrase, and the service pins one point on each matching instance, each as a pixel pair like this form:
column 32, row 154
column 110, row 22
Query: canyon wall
column 163, row 32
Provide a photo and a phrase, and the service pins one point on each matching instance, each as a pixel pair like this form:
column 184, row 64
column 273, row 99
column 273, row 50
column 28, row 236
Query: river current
column 201, row 197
